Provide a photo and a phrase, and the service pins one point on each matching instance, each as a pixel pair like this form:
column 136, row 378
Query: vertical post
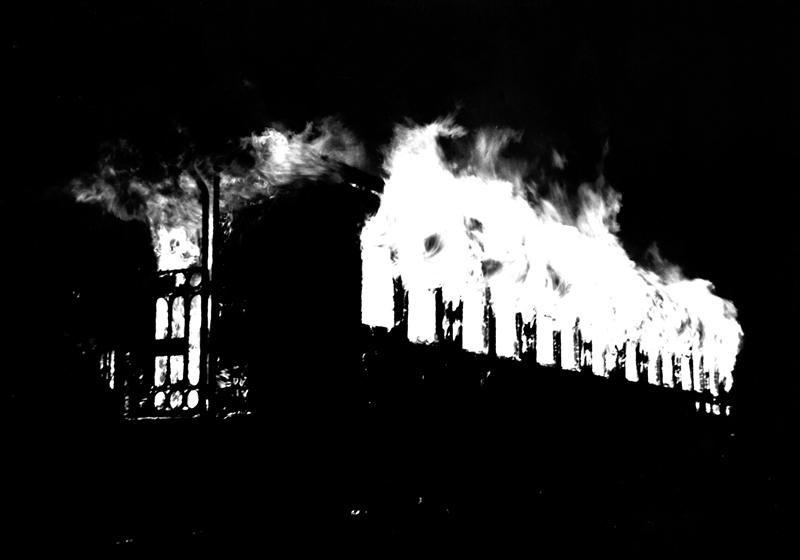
column 631, row 355
column 453, row 319
column 212, row 298
column 598, row 356
column 440, row 315
column 567, row 348
column 654, row 367
column 206, row 382
column 473, row 307
column 489, row 334
column 458, row 324
column 699, row 379
column 505, row 327
column 400, row 306
column 685, row 371
column 668, row 369
column 556, row 347
column 209, row 200
column 642, row 363
column 544, row 339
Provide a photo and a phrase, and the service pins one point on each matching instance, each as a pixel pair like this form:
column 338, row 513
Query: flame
column 168, row 199
column 472, row 226
column 475, row 227
column 281, row 158
column 170, row 206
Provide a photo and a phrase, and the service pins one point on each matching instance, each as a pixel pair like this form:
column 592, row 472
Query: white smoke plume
column 168, row 198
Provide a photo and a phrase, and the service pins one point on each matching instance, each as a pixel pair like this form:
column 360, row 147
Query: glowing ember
column 479, row 228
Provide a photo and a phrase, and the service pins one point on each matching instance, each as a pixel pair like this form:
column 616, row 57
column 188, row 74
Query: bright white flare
column 471, row 230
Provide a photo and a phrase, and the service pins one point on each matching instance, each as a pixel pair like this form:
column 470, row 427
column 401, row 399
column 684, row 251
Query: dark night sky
column 694, row 98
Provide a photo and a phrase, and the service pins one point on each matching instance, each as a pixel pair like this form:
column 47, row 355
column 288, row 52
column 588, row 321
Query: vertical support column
column 453, row 322
column 667, row 369
column 598, row 354
column 642, row 364
column 400, row 307
column 473, row 331
column 489, row 324
column 206, row 382
column 654, row 367
column 440, row 315
column 556, row 346
column 699, row 379
column 685, row 371
column 614, row 358
column 505, row 328
column 213, row 290
column 529, row 334
column 631, row 370
column 421, row 315
column 212, row 304
column 544, row 339
column 568, row 348
column 209, row 200
column 584, row 345
column 577, row 345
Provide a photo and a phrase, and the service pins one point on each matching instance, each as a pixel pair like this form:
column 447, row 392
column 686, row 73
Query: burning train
column 479, row 256
column 464, row 250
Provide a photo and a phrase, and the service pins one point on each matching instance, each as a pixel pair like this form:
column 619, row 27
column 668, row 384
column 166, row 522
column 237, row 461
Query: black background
column 696, row 102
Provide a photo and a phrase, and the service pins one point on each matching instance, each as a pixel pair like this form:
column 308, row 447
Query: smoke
column 168, row 198
column 265, row 165
column 125, row 187
column 281, row 158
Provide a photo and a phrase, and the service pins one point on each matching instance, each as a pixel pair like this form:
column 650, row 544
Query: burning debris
column 531, row 269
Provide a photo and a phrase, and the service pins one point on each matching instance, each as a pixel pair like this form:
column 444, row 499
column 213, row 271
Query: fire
column 170, row 201
column 475, row 229
column 469, row 234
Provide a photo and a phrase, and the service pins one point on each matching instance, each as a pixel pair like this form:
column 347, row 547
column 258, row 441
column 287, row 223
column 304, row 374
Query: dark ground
column 696, row 102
